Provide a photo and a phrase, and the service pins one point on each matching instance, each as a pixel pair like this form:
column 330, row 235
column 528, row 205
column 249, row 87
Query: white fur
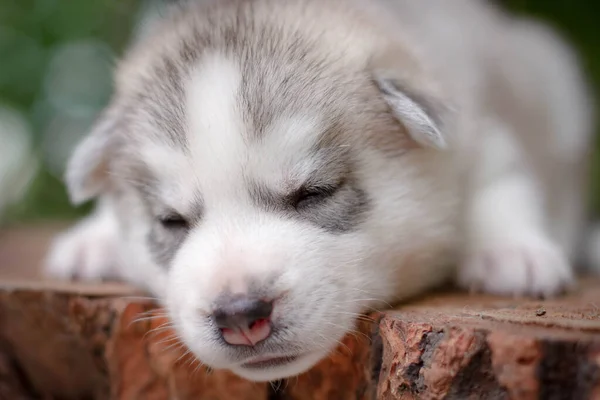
column 508, row 250
column 89, row 250
column 94, row 250
column 237, row 242
column 476, row 190
column 216, row 130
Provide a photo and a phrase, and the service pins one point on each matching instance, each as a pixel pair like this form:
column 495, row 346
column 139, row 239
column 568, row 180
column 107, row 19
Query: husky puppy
column 270, row 169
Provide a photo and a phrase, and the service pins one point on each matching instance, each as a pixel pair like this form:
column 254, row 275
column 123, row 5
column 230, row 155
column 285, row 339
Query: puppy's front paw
column 525, row 266
column 85, row 252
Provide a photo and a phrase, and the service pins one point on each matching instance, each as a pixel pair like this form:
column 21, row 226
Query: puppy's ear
column 421, row 114
column 413, row 97
column 87, row 173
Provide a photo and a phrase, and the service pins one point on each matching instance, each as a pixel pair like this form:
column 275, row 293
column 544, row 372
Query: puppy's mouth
column 269, row 362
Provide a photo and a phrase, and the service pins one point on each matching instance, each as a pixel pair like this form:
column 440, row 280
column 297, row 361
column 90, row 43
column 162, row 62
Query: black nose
column 241, row 313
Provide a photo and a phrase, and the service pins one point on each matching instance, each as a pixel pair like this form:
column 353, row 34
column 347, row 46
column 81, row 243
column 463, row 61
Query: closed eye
column 308, row 196
column 174, row 221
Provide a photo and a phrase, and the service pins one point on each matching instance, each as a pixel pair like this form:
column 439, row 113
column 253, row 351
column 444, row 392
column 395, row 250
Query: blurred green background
column 56, row 58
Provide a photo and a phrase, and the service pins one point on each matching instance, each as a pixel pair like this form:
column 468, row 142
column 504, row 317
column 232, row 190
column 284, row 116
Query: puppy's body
column 331, row 156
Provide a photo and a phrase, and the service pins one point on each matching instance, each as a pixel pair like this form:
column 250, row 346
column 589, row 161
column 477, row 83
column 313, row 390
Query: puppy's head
column 277, row 180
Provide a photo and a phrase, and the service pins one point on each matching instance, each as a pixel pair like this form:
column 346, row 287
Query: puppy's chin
column 279, row 368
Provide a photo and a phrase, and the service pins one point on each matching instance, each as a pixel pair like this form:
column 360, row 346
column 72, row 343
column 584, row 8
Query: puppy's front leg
column 508, row 249
column 89, row 250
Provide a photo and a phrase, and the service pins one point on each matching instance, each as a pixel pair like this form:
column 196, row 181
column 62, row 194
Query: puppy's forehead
column 227, row 140
column 216, row 133
column 229, row 136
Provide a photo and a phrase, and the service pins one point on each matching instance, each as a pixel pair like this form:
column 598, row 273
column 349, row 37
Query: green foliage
column 30, row 30
column 46, row 199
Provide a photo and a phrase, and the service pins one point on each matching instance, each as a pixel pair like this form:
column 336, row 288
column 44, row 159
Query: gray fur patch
column 340, row 212
column 339, row 204
column 162, row 103
column 164, row 243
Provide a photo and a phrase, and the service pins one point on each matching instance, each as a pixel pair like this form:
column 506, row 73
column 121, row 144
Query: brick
column 456, row 346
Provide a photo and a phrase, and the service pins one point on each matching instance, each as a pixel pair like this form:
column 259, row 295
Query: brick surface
column 455, row 346
column 70, row 345
column 77, row 341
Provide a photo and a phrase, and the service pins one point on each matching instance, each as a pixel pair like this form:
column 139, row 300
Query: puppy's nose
column 244, row 321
